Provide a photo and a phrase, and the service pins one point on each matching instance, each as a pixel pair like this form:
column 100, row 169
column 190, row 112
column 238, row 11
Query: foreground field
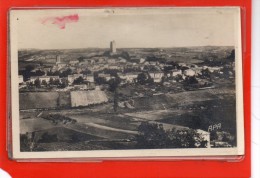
column 98, row 127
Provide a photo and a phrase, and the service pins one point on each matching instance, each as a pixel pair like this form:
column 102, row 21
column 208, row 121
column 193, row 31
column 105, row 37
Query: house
column 46, row 69
column 189, row 72
column 129, row 77
column 146, row 63
column 71, row 78
column 153, row 63
column 73, row 62
column 44, row 78
column 20, row 79
column 205, row 135
column 111, row 61
column 106, row 76
column 61, row 65
column 156, row 76
column 182, row 64
column 96, row 67
column 176, row 72
column 100, row 60
column 142, row 60
column 122, row 60
column 89, row 78
column 113, row 67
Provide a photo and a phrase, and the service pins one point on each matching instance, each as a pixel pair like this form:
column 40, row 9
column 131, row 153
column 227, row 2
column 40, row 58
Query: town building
column 129, row 77
column 106, row 76
column 111, row 61
column 156, row 76
column 58, row 59
column 189, row 72
column 113, row 67
column 113, row 47
column 71, row 78
column 73, row 62
column 89, row 78
column 44, row 78
column 176, row 72
column 20, row 79
column 61, row 65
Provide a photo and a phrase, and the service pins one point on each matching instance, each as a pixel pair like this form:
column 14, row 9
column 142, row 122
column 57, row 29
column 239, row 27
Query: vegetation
column 152, row 135
column 144, row 78
column 29, row 141
column 59, row 119
column 113, row 85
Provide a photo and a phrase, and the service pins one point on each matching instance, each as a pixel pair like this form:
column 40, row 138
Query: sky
column 130, row 28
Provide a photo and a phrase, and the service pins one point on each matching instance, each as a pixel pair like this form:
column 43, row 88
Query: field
column 98, row 127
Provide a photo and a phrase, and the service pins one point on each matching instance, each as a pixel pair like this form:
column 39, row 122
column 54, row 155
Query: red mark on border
column 61, row 21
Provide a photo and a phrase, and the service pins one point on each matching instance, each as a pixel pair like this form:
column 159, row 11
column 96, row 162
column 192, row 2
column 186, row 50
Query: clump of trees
column 152, row 135
column 29, row 141
column 63, row 83
column 222, row 136
column 190, row 80
column 113, row 87
column 78, row 81
column 144, row 78
column 59, row 119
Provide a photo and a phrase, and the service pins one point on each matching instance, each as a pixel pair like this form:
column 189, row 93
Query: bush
column 152, row 135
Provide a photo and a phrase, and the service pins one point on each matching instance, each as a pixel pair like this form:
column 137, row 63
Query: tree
column 29, row 68
column 178, row 78
column 231, row 57
column 51, row 81
column 100, row 80
column 86, row 71
column 27, row 72
column 64, row 83
column 189, row 80
column 44, row 83
column 153, row 135
column 144, row 78
column 81, row 59
column 113, row 85
column 186, row 138
column 38, row 73
column 65, row 73
column 125, row 55
column 37, row 83
column 78, row 81
column 206, row 73
column 56, row 82
column 29, row 141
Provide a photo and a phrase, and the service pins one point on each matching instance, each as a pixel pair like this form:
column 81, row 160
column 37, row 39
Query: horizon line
column 126, row 47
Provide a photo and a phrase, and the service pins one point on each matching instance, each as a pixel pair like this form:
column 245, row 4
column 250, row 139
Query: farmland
column 98, row 127
column 85, row 99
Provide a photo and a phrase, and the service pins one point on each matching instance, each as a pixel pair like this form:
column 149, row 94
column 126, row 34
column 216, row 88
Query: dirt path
column 110, row 128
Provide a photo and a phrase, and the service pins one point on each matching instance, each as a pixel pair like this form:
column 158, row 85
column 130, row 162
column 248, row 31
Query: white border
column 255, row 89
column 16, row 154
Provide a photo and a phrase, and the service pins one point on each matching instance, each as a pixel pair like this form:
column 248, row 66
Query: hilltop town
column 86, row 72
column 114, row 90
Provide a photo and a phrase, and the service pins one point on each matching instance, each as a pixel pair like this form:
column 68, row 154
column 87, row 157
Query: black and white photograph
column 126, row 82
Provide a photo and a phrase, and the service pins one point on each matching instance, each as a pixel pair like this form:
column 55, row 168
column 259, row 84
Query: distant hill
column 178, row 54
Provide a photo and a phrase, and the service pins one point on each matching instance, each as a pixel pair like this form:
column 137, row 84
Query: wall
column 52, row 100
column 85, row 98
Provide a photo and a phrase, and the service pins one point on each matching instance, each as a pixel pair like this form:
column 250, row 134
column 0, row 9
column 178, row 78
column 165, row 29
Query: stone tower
column 113, row 47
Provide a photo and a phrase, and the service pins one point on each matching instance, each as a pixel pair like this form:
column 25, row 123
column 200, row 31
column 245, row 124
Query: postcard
column 126, row 82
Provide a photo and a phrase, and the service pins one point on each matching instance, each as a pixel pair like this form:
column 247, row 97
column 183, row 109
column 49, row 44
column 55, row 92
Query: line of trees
column 43, row 83
column 153, row 135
